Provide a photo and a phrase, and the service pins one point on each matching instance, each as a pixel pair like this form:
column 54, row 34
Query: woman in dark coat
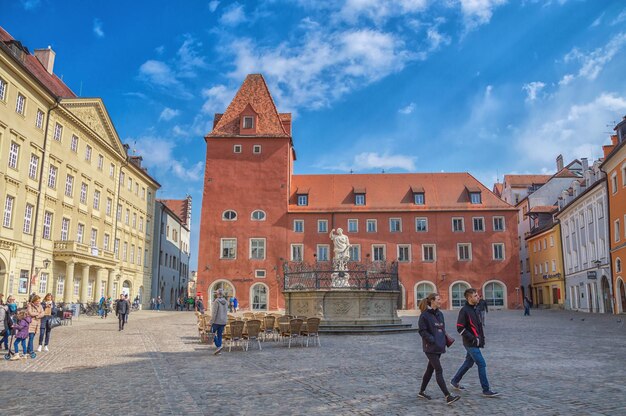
column 432, row 329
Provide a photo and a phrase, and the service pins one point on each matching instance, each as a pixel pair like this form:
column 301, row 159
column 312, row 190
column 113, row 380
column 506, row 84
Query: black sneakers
column 456, row 385
column 423, row 395
column 451, row 398
column 490, row 393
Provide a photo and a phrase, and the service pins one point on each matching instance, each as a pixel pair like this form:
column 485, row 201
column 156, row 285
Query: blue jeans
column 473, row 356
column 218, row 330
column 31, row 339
column 44, row 332
column 526, row 310
column 16, row 345
column 5, row 339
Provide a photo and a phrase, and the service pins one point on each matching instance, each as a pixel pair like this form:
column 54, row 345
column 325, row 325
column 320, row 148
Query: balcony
column 67, row 249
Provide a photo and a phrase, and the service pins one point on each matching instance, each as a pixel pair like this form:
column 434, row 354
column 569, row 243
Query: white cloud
column 234, row 15
column 189, row 60
column 437, row 39
column 373, row 160
column 97, row 28
column 620, row 18
column 478, row 12
column 157, row 72
column 567, row 78
column 30, row 4
column 597, row 21
column 159, row 50
column 408, row 109
column 157, row 153
column 593, row 62
column 213, row 5
column 532, row 89
column 217, row 99
column 167, row 114
column 379, row 10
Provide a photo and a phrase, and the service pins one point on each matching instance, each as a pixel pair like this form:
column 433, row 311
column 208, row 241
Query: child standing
column 21, row 333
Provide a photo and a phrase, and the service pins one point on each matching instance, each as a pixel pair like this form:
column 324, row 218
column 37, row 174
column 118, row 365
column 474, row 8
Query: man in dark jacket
column 470, row 327
column 122, row 307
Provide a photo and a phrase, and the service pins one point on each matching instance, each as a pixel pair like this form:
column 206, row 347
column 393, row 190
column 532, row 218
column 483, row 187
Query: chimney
column 559, row 163
column 46, row 57
column 585, row 164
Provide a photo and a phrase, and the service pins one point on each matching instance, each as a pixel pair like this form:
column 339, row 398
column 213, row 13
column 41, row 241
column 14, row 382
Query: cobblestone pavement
column 552, row 363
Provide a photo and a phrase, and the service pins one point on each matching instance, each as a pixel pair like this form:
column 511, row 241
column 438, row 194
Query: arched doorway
column 126, row 288
column 423, row 289
column 606, row 295
column 259, row 294
column 225, row 285
column 493, row 293
column 457, row 294
column 621, row 295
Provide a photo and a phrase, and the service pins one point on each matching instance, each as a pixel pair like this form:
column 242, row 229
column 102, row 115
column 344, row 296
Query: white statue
column 341, row 257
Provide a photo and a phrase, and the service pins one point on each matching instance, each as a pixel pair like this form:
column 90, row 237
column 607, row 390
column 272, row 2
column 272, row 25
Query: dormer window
column 303, row 200
column 418, row 195
column 475, row 198
column 359, row 195
column 248, row 122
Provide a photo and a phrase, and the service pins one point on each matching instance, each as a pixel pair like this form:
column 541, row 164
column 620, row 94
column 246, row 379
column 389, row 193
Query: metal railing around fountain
column 377, row 275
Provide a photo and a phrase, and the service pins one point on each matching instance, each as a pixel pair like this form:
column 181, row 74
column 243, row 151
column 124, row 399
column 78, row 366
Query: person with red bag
column 432, row 329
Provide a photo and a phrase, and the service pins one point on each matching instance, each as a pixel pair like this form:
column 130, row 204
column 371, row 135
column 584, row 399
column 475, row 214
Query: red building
column 446, row 230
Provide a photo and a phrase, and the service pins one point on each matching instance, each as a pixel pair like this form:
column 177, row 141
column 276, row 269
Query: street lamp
column 33, row 278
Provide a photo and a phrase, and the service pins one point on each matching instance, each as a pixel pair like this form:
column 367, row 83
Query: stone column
column 100, row 275
column 69, row 282
column 83, row 284
column 110, row 283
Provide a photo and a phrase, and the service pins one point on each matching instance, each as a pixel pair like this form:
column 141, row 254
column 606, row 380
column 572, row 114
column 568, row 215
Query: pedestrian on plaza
column 21, row 333
column 159, row 301
column 471, row 328
column 235, row 304
column 219, row 318
column 152, row 304
column 107, row 307
column 36, row 312
column 129, row 309
column 200, row 305
column 11, row 309
column 49, row 311
column 5, row 327
column 482, row 308
column 230, row 304
column 101, row 307
column 188, row 303
column 191, row 303
column 527, row 305
column 432, row 329
column 122, row 307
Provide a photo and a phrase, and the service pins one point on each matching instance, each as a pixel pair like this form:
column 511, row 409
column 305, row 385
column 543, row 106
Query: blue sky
column 485, row 86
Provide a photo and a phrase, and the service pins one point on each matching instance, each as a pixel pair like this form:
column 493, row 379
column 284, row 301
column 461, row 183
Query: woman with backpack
column 432, row 329
column 10, row 309
column 49, row 311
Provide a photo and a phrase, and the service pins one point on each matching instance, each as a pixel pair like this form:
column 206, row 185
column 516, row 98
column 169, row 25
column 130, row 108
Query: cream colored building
column 77, row 209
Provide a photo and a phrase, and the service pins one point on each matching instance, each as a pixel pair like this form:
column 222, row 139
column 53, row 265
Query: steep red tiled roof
column 32, row 64
column 253, row 92
column 392, row 192
column 180, row 207
column 525, row 180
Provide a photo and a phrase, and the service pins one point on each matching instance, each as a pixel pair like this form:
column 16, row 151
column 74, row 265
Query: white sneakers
column 39, row 348
column 46, row 348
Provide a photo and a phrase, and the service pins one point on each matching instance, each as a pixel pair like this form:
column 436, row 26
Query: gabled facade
column 446, row 231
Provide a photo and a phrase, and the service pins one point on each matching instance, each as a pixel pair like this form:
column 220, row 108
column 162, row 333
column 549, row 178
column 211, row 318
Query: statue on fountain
column 341, row 256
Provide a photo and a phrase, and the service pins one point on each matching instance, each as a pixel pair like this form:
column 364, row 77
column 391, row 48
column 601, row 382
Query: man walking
column 470, row 327
column 122, row 308
column 219, row 318
column 526, row 306
column 200, row 305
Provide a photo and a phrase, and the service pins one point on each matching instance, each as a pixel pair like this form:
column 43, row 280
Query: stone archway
column 606, row 295
column 621, row 295
column 127, row 287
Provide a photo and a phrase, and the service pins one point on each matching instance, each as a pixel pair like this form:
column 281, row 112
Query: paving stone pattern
column 551, row 363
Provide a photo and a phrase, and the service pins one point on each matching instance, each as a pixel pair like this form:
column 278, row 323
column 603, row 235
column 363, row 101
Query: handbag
column 53, row 322
column 449, row 340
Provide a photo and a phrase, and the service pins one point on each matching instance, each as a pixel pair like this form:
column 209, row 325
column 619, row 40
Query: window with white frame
column 498, row 223
column 130, row 184
column 421, row 225
column 464, row 251
column 20, row 104
column 248, row 122
column 52, row 177
column 43, row 282
column 14, row 151
column 322, row 252
column 359, row 199
column 418, row 198
column 125, row 251
column 111, row 170
column 28, row 218
column 458, row 225
column 94, row 238
column 100, row 162
column 60, row 285
column 83, row 193
column 127, row 217
column 297, row 252
column 39, row 119
column 404, row 252
column 616, row 230
column 422, row 290
column 259, row 297
column 614, row 183
column 229, row 215
column 353, row 226
column 228, row 248
column 395, row 225
column 107, row 242
column 3, row 89
column 475, row 198
column 47, row 225
column 553, row 266
column 135, row 221
column 140, row 223
column 96, row 199
column 258, row 215
column 298, row 226
column 479, row 224
column 256, row 149
column 116, row 248
column 65, row 228
column 371, row 226
column 80, row 232
column 378, row 252
column 132, row 254
column 260, row 273
column 8, row 211
column 551, row 241
column 74, row 143
column 119, row 212
column 355, row 252
column 58, row 132
column 237, row 148
column 498, row 251
column 33, row 166
column 322, row 226
column 303, row 200
column 257, row 248
column 429, row 252
column 69, row 185
column 618, row 265
column 139, row 251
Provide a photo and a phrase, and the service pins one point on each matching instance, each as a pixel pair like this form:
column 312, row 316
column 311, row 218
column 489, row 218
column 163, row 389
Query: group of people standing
column 435, row 340
column 25, row 324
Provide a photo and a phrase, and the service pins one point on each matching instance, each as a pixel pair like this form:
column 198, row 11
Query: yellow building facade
column 77, row 209
column 546, row 266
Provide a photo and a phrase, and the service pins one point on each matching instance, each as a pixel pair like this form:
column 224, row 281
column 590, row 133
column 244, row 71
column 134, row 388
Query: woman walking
column 36, row 313
column 432, row 329
column 49, row 311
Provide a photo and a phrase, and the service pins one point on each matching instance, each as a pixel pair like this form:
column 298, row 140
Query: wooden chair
column 282, row 325
column 248, row 315
column 236, row 334
column 268, row 326
column 295, row 325
column 254, row 329
column 312, row 330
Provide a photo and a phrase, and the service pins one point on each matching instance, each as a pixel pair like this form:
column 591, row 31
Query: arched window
column 228, row 289
column 458, row 294
column 259, row 297
column 618, row 265
column 258, row 215
column 422, row 290
column 493, row 293
column 229, row 215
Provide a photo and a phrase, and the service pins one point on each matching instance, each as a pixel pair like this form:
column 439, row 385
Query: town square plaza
column 551, row 363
